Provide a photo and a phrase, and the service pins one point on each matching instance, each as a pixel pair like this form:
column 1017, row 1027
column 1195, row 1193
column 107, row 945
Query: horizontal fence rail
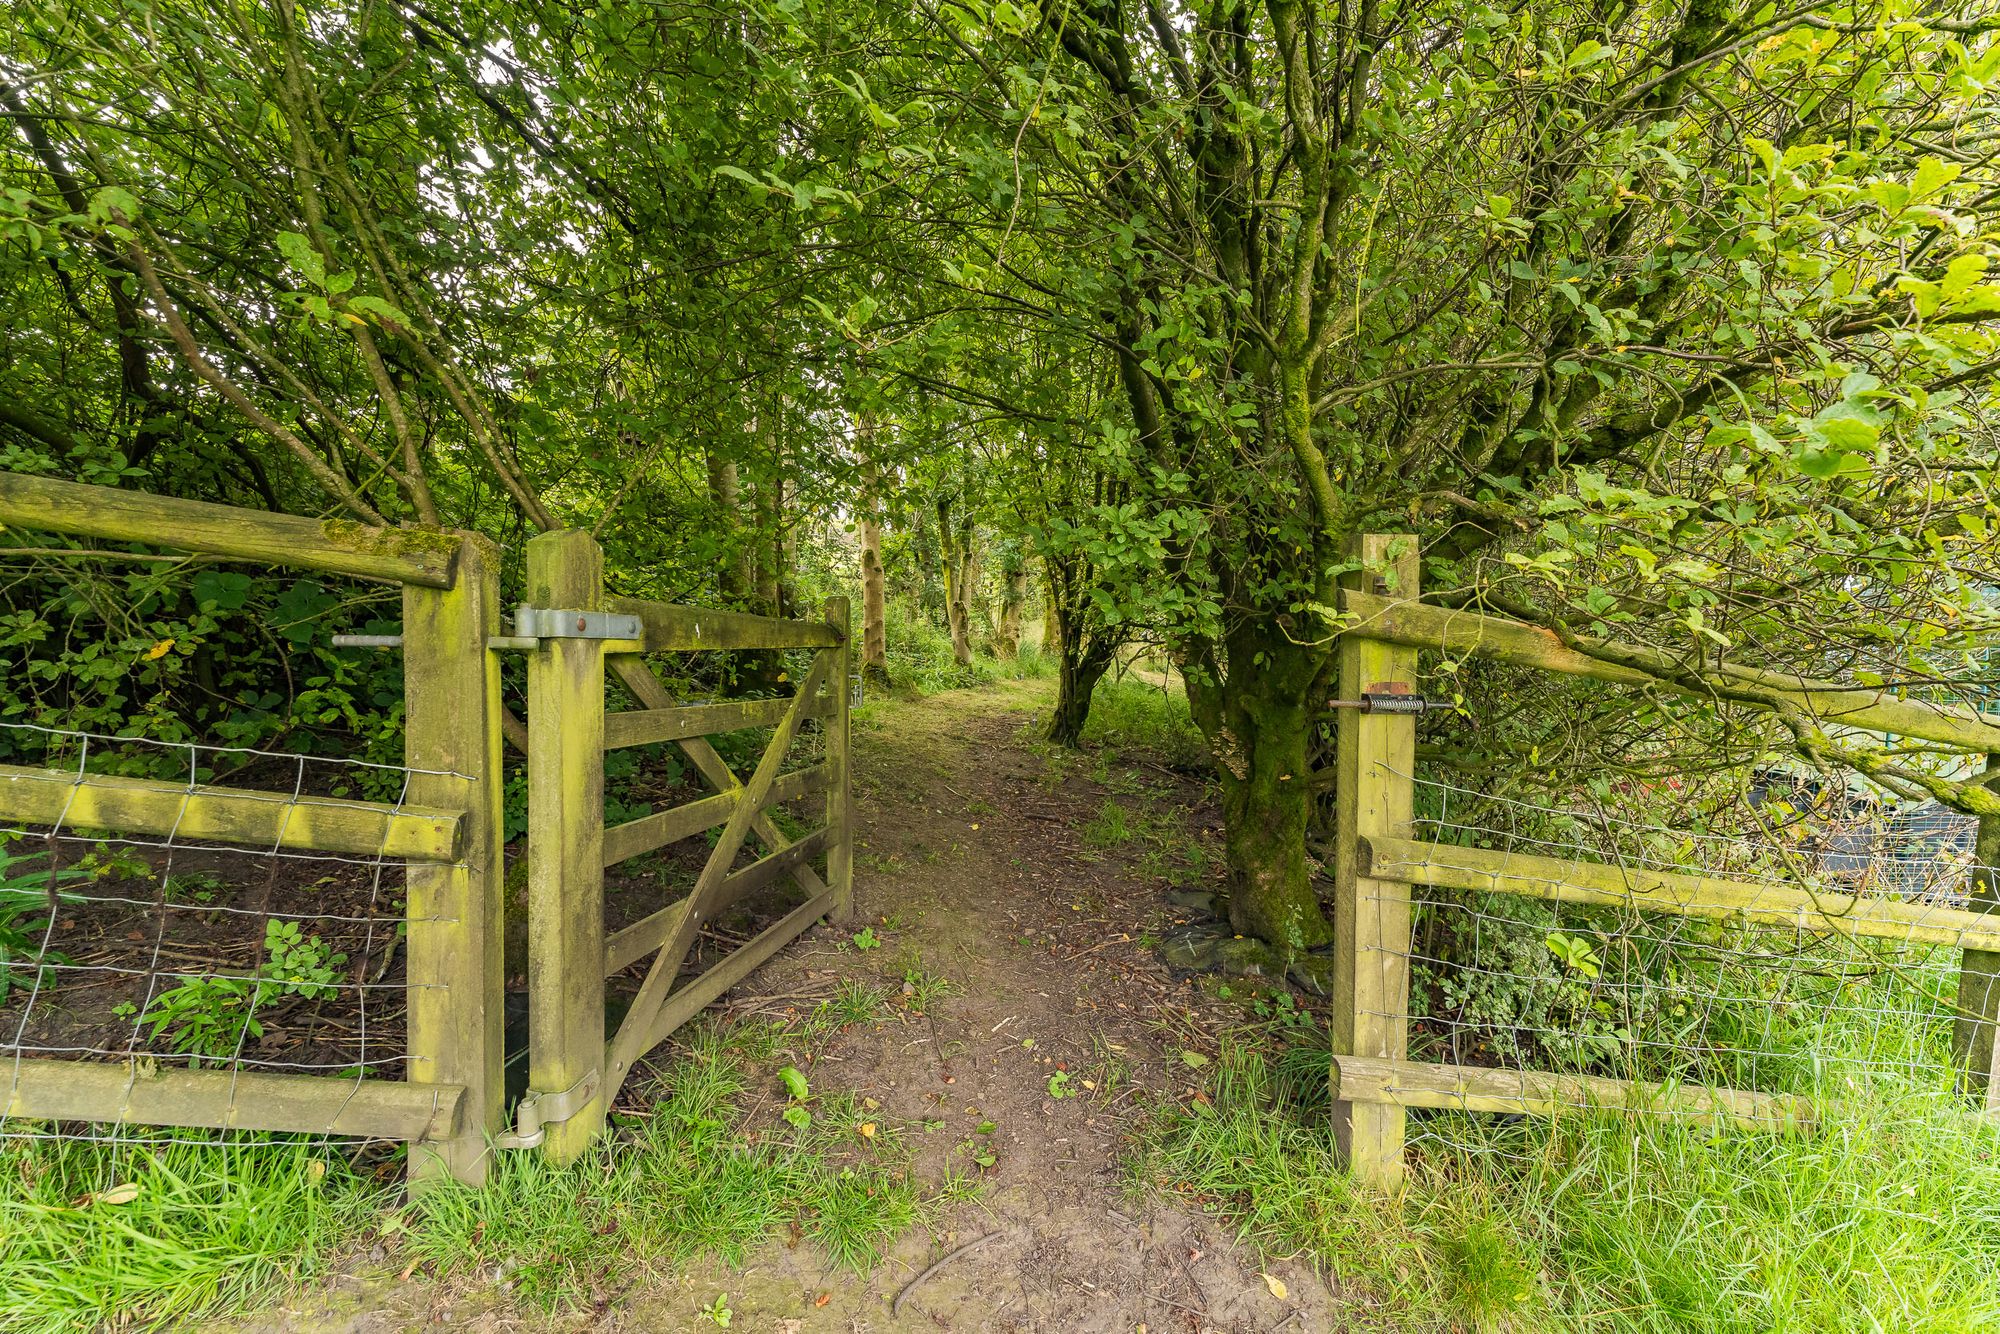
column 667, row 628
column 62, row 799
column 1532, row 1093
column 337, row 546
column 135, row 1093
column 1449, row 866
column 1411, row 623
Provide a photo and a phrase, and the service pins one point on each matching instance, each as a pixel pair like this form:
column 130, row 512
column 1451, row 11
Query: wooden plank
column 456, row 947
column 1402, row 621
column 630, row 944
column 643, row 727
column 141, row 806
column 400, row 555
column 674, row 629
column 142, row 1094
column 703, row 991
column 1602, row 884
column 645, row 687
column 648, row 833
column 839, row 767
column 1976, row 1030
column 1375, row 755
column 566, row 841
column 625, row 1048
column 1400, row 1084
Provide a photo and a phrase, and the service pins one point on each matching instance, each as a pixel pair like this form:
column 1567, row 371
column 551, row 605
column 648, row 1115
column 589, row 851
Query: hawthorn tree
column 1668, row 316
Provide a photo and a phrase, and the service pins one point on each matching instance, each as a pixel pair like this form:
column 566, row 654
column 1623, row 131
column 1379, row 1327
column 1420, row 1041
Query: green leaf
column 795, row 1082
column 304, row 258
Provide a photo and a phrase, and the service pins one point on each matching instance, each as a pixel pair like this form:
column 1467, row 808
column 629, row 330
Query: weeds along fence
column 273, row 951
column 1501, row 957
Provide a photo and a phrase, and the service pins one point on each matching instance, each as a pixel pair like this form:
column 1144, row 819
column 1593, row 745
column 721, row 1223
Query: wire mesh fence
column 1693, row 992
column 175, row 947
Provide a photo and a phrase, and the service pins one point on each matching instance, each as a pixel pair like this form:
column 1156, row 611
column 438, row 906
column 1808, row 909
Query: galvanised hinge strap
column 553, row 623
column 538, row 1111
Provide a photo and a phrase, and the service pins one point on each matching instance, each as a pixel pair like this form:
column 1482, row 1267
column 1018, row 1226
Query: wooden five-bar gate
column 448, row 831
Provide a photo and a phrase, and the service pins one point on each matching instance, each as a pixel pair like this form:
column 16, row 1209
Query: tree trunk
column 770, row 549
column 874, row 603
column 1259, row 724
column 1051, row 618
column 1077, row 675
column 955, row 555
column 732, row 568
column 1013, row 598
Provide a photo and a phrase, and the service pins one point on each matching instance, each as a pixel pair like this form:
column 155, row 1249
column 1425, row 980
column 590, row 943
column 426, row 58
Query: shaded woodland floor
column 1013, row 899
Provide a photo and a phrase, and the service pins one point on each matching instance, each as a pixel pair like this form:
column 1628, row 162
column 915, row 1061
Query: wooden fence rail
column 1378, row 858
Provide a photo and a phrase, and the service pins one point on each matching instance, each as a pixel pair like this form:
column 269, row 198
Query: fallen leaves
column 1276, row 1285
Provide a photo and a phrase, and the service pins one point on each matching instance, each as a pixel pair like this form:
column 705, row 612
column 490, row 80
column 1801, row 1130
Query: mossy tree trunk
column 1259, row 722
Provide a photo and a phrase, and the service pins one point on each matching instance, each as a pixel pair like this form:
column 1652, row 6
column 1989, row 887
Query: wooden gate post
column 1371, row 950
column 566, row 846
column 455, row 961
column 1976, row 1034
column 839, row 740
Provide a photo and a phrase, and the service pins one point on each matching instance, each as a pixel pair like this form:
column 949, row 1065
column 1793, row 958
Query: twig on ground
column 896, row 1307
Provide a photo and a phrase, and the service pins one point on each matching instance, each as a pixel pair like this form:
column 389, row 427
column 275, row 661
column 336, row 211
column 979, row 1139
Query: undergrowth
column 1132, row 715
column 1885, row 1217
column 921, row 662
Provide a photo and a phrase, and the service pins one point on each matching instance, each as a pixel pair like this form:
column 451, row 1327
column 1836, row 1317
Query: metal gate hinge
column 538, row 1111
column 554, row 623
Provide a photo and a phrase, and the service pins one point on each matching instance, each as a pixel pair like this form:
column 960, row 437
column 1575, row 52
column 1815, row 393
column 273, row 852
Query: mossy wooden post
column 452, row 728
column 1976, row 1035
column 1371, row 918
column 839, row 738
column 566, row 841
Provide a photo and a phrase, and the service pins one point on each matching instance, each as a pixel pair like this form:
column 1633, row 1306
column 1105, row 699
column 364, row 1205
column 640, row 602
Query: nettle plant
column 211, row 1018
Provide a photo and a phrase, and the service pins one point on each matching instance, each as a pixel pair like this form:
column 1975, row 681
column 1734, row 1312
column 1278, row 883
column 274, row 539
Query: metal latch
column 538, row 1111
column 1383, row 702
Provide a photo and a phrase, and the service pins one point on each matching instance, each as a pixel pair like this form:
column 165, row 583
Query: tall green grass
column 93, row 1235
column 692, row 1179
column 100, row 1237
column 1134, row 716
column 1886, row 1217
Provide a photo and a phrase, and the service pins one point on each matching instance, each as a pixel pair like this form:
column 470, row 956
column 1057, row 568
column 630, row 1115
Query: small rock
column 1313, row 973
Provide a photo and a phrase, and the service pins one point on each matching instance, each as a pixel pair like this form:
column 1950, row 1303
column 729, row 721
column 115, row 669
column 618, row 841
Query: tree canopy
column 1663, row 321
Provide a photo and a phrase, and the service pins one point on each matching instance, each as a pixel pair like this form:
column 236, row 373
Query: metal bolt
column 581, row 623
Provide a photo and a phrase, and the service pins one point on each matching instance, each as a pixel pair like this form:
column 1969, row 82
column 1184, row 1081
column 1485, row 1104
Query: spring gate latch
column 1383, row 701
column 537, row 1111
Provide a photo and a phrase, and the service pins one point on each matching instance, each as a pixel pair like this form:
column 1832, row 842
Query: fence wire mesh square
column 1802, row 1011
column 167, row 951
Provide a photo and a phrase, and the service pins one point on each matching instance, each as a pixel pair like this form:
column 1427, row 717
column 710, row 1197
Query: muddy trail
column 1025, row 891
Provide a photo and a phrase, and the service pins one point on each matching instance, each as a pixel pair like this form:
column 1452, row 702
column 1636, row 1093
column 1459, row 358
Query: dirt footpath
column 984, row 862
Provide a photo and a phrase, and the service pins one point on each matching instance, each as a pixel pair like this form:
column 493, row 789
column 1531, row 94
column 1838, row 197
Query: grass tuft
column 124, row 1236
column 1884, row 1218
column 695, row 1178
